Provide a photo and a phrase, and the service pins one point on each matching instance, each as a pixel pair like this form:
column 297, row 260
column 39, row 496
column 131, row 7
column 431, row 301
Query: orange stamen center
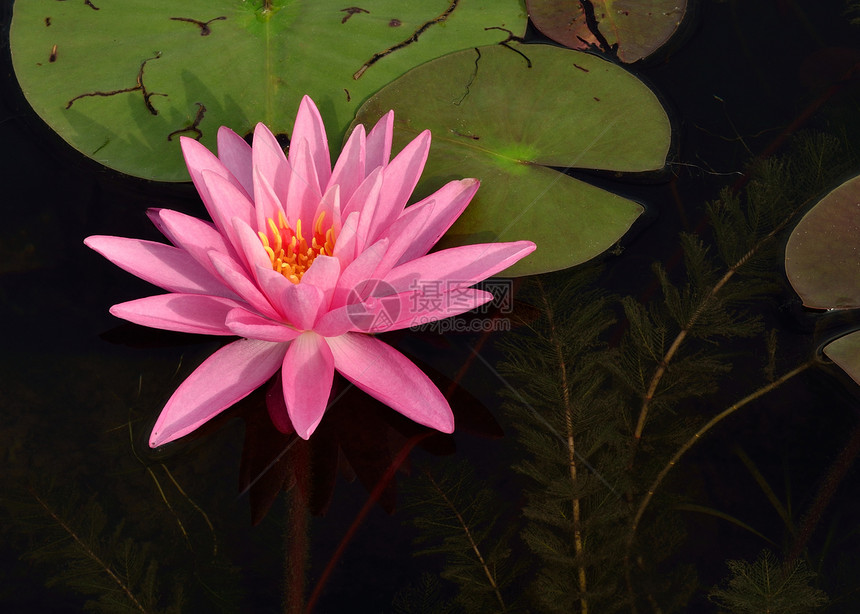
column 290, row 251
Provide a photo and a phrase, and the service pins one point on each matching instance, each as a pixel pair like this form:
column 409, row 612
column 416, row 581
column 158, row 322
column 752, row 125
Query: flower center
column 290, row 251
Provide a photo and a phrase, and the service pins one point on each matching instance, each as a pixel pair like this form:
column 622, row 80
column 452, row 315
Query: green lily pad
column 822, row 262
column 845, row 352
column 637, row 27
column 822, row 257
column 504, row 114
column 120, row 80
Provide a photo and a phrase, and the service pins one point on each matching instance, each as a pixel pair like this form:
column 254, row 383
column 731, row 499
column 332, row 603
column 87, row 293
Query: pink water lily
column 303, row 261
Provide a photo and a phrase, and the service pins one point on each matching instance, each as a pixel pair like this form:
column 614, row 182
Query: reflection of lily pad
column 505, row 114
column 822, row 261
column 121, row 79
column 637, row 27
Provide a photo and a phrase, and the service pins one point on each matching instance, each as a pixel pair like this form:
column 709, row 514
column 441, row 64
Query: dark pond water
column 90, row 512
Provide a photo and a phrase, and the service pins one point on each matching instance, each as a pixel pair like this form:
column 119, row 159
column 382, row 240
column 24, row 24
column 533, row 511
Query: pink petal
column 163, row 265
column 378, row 146
column 364, row 202
column 459, row 267
column 154, row 213
column 267, row 205
column 330, row 204
column 251, row 246
column 199, row 159
column 336, row 322
column 387, row 375
column 344, row 247
column 416, row 309
column 269, row 160
column 227, row 376
column 307, row 375
column 304, row 193
column 237, row 280
column 196, row 237
column 448, row 204
column 186, row 313
column 348, row 171
column 401, row 235
column 358, row 273
column 302, row 304
column 251, row 326
column 278, row 408
column 235, row 155
column 323, row 274
column 309, row 127
column 226, row 201
column 398, row 181
column 273, row 285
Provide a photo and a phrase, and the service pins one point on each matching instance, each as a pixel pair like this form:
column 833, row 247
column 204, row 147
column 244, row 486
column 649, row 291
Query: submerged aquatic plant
column 303, row 261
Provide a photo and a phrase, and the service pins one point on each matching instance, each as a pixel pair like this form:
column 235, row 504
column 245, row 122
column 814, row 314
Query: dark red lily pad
column 637, row 27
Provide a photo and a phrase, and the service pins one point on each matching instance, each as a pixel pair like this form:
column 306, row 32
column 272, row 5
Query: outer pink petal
column 186, row 313
column 387, row 375
column 398, row 181
column 196, row 237
column 401, row 235
column 459, row 267
column 348, row 171
column 235, row 155
column 309, row 126
column 307, row 375
column 378, row 146
column 448, row 204
column 227, row 376
column 163, row 265
column 251, row 326
column 416, row 309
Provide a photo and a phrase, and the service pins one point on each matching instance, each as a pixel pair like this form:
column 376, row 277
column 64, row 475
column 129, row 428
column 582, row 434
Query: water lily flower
column 304, row 262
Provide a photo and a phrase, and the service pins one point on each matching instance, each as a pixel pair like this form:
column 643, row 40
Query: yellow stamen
column 290, row 253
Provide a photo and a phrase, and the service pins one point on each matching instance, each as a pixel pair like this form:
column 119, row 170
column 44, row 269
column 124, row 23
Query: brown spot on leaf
column 395, row 23
column 193, row 126
column 47, row 22
column 137, row 88
column 350, row 11
column 414, row 38
column 205, row 30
